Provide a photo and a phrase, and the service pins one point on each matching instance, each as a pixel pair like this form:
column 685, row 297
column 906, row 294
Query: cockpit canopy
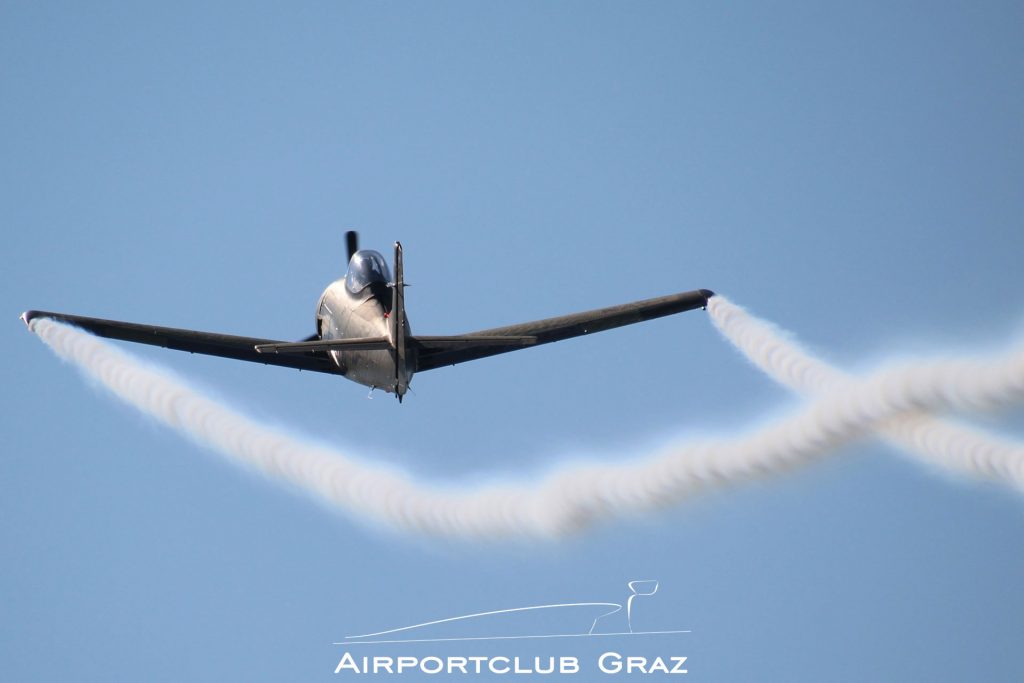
column 366, row 267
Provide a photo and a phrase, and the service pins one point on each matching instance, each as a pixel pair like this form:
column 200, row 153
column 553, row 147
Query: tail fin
column 398, row 324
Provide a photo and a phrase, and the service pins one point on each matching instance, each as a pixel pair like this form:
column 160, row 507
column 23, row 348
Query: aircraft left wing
column 207, row 343
column 462, row 348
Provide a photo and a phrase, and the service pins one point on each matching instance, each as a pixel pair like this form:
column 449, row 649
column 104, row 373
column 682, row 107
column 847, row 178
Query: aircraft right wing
column 436, row 352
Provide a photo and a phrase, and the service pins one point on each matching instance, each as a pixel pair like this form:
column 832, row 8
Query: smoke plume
column 840, row 408
column 946, row 444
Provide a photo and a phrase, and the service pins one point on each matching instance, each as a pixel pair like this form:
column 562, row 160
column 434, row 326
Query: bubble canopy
column 365, row 268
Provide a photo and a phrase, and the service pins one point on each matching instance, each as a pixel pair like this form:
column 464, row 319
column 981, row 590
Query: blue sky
column 853, row 173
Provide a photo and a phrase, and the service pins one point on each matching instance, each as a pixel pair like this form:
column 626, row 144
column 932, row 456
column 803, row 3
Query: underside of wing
column 490, row 342
column 207, row 343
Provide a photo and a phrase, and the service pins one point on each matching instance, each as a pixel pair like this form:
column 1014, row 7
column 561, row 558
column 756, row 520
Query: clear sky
column 852, row 171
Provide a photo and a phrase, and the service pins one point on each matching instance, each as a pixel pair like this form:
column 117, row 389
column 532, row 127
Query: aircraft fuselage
column 346, row 314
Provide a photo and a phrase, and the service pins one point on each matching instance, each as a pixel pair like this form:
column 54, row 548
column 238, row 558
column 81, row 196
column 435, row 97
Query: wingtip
column 707, row 294
column 28, row 316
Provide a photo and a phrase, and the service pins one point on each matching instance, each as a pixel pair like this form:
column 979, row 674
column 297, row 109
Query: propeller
column 352, row 242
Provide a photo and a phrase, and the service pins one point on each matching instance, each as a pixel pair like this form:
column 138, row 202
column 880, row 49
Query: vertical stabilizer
column 398, row 322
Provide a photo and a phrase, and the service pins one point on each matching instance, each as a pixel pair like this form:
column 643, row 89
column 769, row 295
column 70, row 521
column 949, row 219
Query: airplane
column 363, row 334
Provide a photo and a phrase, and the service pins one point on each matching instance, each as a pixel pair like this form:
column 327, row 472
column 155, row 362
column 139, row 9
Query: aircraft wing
column 435, row 354
column 208, row 343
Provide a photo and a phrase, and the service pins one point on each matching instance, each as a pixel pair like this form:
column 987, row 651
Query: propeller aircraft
column 363, row 334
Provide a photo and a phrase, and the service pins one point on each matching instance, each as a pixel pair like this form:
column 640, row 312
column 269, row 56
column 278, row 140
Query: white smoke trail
column 953, row 447
column 575, row 497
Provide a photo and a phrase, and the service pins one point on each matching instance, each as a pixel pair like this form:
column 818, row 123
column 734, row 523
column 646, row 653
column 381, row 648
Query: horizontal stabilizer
column 353, row 344
column 382, row 343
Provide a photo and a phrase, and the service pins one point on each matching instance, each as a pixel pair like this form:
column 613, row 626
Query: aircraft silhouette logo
column 500, row 621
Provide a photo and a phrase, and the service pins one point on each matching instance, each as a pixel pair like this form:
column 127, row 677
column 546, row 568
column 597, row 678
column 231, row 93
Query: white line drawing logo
column 421, row 633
